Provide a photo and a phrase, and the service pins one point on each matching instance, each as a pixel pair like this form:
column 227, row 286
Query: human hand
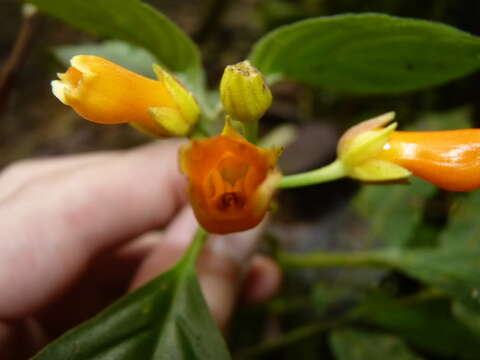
column 79, row 231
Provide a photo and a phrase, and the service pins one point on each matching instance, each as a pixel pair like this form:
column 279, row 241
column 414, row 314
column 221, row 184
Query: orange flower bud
column 447, row 159
column 106, row 93
column 231, row 181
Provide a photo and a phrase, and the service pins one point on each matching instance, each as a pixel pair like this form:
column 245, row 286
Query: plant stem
column 286, row 339
column 19, row 53
column 199, row 132
column 330, row 172
column 196, row 246
column 251, row 131
column 427, row 294
column 322, row 259
column 306, row 331
column 297, row 334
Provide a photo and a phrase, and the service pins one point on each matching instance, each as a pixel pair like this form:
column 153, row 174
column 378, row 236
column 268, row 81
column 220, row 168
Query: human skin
column 79, row 231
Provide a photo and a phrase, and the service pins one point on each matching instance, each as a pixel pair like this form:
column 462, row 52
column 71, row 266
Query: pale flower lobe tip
column 367, row 125
column 81, row 63
column 58, row 89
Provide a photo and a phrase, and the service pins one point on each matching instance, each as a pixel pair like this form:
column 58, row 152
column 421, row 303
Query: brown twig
column 18, row 54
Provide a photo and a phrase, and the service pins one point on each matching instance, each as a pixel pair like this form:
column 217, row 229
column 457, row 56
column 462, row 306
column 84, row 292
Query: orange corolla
column 106, row 93
column 231, row 181
column 448, row 159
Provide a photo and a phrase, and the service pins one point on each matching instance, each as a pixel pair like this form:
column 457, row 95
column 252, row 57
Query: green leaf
column 427, row 325
column 138, row 24
column 464, row 226
column 349, row 344
column 367, row 53
column 467, row 316
column 454, row 271
column 457, row 118
column 131, row 57
column 393, row 212
column 329, row 298
column 166, row 319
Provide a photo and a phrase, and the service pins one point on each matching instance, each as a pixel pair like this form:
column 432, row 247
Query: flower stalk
column 251, row 131
column 330, row 172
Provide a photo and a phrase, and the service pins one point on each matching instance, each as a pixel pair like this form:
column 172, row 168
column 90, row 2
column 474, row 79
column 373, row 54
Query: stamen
column 230, row 200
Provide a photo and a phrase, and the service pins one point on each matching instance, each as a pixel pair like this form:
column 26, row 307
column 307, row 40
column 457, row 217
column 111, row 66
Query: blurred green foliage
column 423, row 300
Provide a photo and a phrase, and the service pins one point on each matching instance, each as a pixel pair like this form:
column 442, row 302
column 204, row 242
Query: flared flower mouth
column 71, row 81
column 231, row 181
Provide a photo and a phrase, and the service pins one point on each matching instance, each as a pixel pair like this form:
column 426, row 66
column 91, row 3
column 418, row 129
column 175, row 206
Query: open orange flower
column 106, row 93
column 448, row 159
column 231, row 181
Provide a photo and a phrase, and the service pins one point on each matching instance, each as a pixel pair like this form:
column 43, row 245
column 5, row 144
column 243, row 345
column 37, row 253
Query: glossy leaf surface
column 367, row 53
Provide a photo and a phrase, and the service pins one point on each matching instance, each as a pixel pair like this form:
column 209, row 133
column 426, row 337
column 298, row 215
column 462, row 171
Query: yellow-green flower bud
column 244, row 92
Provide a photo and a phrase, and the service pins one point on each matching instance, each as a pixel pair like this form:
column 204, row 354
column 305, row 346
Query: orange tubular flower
column 106, row 93
column 231, row 181
column 373, row 151
column 447, row 159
